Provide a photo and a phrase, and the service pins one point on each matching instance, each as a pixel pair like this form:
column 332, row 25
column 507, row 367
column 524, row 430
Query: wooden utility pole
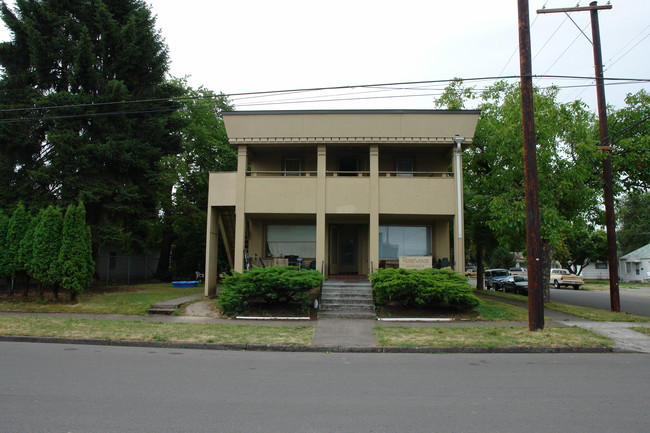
column 605, row 145
column 533, row 236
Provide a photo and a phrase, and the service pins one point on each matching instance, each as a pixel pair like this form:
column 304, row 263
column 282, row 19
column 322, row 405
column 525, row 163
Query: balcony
column 414, row 193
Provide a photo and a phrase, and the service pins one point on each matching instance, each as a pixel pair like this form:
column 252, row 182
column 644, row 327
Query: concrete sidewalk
column 357, row 334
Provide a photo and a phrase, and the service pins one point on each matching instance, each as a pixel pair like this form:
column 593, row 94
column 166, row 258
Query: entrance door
column 344, row 249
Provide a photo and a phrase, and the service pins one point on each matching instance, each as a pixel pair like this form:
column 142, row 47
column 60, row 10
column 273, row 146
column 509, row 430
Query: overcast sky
column 237, row 46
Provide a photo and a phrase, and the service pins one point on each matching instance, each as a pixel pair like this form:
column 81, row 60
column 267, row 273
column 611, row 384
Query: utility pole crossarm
column 575, row 9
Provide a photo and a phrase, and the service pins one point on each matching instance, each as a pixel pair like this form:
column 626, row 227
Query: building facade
column 342, row 192
column 635, row 266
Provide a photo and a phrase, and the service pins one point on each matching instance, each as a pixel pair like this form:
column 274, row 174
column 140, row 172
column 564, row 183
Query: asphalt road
column 67, row 388
column 633, row 301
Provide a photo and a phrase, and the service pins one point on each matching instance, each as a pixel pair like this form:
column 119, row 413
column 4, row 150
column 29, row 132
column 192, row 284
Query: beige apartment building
column 344, row 192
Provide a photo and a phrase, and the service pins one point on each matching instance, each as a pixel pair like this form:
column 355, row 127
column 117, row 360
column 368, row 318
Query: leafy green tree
column 634, row 214
column 95, row 71
column 75, row 256
column 46, row 248
column 630, row 129
column 569, row 186
column 501, row 257
column 581, row 246
column 205, row 149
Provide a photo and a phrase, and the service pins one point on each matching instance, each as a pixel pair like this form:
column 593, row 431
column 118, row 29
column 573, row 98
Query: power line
column 372, row 88
column 312, row 89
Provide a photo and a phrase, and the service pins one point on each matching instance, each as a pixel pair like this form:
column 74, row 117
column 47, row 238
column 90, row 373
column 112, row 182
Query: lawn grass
column 595, row 314
column 493, row 310
column 105, row 300
column 490, row 337
column 641, row 329
column 153, row 331
column 588, row 313
column 604, row 285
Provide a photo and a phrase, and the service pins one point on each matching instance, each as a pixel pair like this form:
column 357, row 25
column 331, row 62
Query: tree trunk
column 162, row 270
column 26, row 279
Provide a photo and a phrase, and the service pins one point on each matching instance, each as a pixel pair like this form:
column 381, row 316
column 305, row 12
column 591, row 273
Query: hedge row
column 51, row 247
column 269, row 285
column 424, row 288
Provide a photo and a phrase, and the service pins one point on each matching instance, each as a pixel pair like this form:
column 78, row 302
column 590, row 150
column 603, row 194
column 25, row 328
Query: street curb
column 313, row 349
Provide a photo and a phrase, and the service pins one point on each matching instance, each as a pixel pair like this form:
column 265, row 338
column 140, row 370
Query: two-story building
column 343, row 191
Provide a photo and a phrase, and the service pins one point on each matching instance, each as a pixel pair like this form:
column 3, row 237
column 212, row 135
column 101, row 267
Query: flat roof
column 362, row 111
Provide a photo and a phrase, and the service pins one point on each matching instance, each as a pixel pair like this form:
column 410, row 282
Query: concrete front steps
column 170, row 306
column 347, row 299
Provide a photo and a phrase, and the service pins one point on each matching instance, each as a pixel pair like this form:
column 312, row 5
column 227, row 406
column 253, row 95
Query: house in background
column 344, row 192
column 635, row 266
column 596, row 271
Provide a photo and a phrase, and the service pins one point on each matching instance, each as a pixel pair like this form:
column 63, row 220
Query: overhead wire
column 251, row 96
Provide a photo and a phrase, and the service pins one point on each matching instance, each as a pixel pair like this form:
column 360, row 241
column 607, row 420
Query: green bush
column 424, row 288
column 270, row 285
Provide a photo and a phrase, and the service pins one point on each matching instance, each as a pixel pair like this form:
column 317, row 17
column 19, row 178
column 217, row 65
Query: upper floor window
column 348, row 166
column 404, row 166
column 292, row 166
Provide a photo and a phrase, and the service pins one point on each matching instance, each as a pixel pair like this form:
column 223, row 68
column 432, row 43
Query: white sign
column 416, row 262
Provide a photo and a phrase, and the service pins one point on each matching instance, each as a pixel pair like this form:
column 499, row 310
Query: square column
column 240, row 209
column 459, row 223
column 373, row 224
column 321, row 228
column 212, row 252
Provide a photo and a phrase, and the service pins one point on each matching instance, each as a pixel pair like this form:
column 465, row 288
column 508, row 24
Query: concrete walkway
column 344, row 332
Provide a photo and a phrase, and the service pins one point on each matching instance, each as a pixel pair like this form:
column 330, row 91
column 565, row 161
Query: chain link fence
column 114, row 269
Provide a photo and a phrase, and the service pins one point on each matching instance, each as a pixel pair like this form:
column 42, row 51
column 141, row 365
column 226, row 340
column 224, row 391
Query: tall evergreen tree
column 75, row 262
column 16, row 229
column 4, row 226
column 86, row 67
column 24, row 258
column 46, row 247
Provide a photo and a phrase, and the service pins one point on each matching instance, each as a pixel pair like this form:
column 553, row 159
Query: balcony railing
column 281, row 173
column 269, row 173
column 347, row 173
column 416, row 174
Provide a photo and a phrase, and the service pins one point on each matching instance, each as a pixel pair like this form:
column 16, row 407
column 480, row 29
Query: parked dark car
column 514, row 283
column 494, row 275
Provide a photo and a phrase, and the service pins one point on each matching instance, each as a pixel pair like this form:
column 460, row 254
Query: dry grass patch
column 488, row 337
column 153, row 331
column 641, row 330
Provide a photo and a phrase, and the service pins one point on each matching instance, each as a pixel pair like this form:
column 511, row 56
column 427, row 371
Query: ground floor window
column 396, row 241
column 291, row 240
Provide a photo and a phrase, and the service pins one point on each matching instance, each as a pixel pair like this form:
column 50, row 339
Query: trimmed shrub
column 423, row 288
column 270, row 285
